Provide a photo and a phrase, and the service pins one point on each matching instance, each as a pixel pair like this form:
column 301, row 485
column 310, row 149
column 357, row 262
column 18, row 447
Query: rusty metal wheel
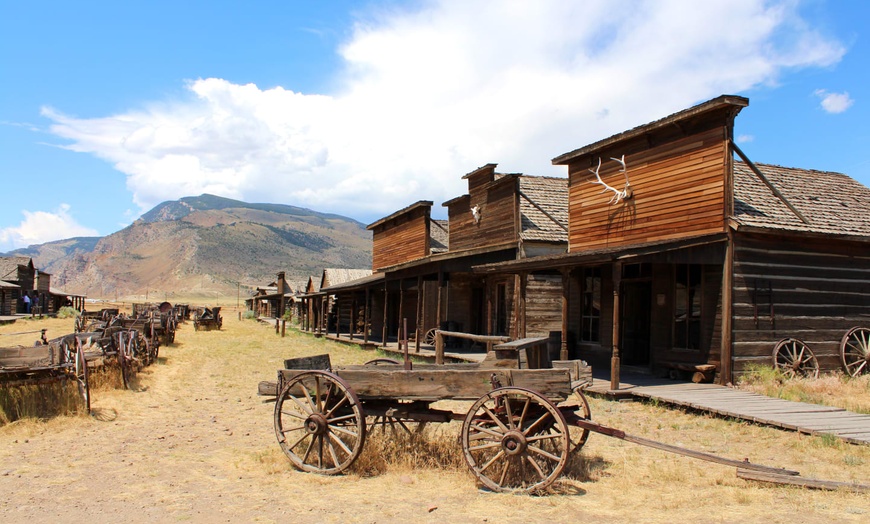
column 579, row 404
column 855, row 351
column 319, row 423
column 794, row 358
column 515, row 440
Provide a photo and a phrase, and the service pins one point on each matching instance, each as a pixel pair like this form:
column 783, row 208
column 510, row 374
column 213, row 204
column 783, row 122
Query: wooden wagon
column 206, row 319
column 514, row 437
column 61, row 359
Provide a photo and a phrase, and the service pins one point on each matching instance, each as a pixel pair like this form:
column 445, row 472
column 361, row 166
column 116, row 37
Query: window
column 590, row 316
column 687, row 306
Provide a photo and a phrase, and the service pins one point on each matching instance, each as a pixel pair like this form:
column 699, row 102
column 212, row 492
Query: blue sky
column 361, row 108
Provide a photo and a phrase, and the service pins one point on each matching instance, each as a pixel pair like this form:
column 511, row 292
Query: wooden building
column 21, row 274
column 423, row 267
column 681, row 255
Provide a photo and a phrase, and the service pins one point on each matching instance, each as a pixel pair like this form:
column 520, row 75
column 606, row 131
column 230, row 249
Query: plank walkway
column 806, row 418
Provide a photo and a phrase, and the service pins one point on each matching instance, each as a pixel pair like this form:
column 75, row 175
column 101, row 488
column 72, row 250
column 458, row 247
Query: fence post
column 283, row 327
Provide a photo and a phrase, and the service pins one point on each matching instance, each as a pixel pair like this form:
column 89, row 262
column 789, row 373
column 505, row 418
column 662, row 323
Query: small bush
column 249, row 315
column 67, row 312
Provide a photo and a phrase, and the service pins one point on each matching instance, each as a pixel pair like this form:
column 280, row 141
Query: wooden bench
column 699, row 372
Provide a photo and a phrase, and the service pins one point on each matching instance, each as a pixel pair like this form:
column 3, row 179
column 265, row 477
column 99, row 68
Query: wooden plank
column 318, row 362
column 793, row 480
column 440, row 384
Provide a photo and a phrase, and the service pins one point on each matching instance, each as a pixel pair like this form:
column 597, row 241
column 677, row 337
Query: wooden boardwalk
column 806, row 418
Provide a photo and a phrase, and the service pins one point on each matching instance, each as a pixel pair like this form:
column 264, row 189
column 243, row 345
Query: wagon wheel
column 855, row 351
column 794, row 358
column 81, row 375
column 125, row 359
column 319, row 423
column 580, row 406
column 152, row 350
column 429, row 339
column 514, row 439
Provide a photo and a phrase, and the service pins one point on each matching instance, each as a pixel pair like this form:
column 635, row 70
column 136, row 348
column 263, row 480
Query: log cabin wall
column 678, row 181
column 400, row 239
column 793, row 287
column 497, row 201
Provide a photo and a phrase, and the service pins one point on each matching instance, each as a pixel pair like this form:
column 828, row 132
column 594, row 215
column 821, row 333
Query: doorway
column 635, row 335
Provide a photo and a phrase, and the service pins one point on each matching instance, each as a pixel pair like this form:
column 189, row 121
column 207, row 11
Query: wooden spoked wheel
column 515, row 440
column 125, row 358
column 429, row 338
column 319, row 423
column 855, row 351
column 579, row 404
column 81, row 376
column 794, row 358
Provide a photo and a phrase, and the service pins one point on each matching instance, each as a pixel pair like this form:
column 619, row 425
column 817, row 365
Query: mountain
column 204, row 245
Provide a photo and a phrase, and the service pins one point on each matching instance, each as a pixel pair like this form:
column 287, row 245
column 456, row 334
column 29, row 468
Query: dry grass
column 194, row 442
column 831, row 389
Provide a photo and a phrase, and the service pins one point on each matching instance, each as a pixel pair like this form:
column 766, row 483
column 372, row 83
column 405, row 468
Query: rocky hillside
column 202, row 245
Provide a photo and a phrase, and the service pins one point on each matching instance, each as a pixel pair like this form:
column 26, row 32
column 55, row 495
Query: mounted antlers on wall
column 618, row 195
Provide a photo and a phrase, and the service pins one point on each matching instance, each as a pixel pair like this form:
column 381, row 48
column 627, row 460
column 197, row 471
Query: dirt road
column 194, row 443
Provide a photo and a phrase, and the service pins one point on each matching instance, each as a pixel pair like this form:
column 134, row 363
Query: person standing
column 26, row 299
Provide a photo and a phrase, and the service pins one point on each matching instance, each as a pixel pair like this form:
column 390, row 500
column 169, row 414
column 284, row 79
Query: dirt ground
column 194, row 443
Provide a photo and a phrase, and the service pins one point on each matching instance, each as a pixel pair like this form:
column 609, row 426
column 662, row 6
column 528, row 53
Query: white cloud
column 743, row 139
column 834, row 102
column 43, row 226
column 429, row 95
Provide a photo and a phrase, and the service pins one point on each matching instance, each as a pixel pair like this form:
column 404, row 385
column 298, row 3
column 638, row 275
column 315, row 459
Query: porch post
column 438, row 306
column 726, row 353
column 384, row 327
column 399, row 333
column 614, row 359
column 366, row 318
column 419, row 313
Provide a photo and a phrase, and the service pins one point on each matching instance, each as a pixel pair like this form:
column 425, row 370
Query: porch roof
column 597, row 256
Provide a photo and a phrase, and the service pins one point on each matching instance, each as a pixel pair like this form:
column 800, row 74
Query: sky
column 361, row 108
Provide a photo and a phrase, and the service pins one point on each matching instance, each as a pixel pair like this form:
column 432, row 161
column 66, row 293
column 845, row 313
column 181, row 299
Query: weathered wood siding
column 817, row 289
column 498, row 212
column 543, row 304
column 402, row 239
column 679, row 191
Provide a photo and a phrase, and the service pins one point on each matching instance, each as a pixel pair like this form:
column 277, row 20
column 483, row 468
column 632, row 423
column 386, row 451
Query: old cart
column 61, row 359
column 514, row 437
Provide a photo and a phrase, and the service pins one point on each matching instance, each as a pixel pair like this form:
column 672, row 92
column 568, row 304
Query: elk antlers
column 618, row 195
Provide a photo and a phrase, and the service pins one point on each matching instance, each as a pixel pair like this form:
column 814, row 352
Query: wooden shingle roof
column 543, row 208
column 9, row 266
column 832, row 203
column 333, row 276
column 439, row 237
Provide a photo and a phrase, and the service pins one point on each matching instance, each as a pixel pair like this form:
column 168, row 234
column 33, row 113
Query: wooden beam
column 418, row 322
column 366, row 317
column 617, row 317
column 794, row 480
column 726, row 362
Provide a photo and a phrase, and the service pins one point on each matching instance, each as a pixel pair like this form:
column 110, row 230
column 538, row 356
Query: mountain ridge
column 204, row 244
